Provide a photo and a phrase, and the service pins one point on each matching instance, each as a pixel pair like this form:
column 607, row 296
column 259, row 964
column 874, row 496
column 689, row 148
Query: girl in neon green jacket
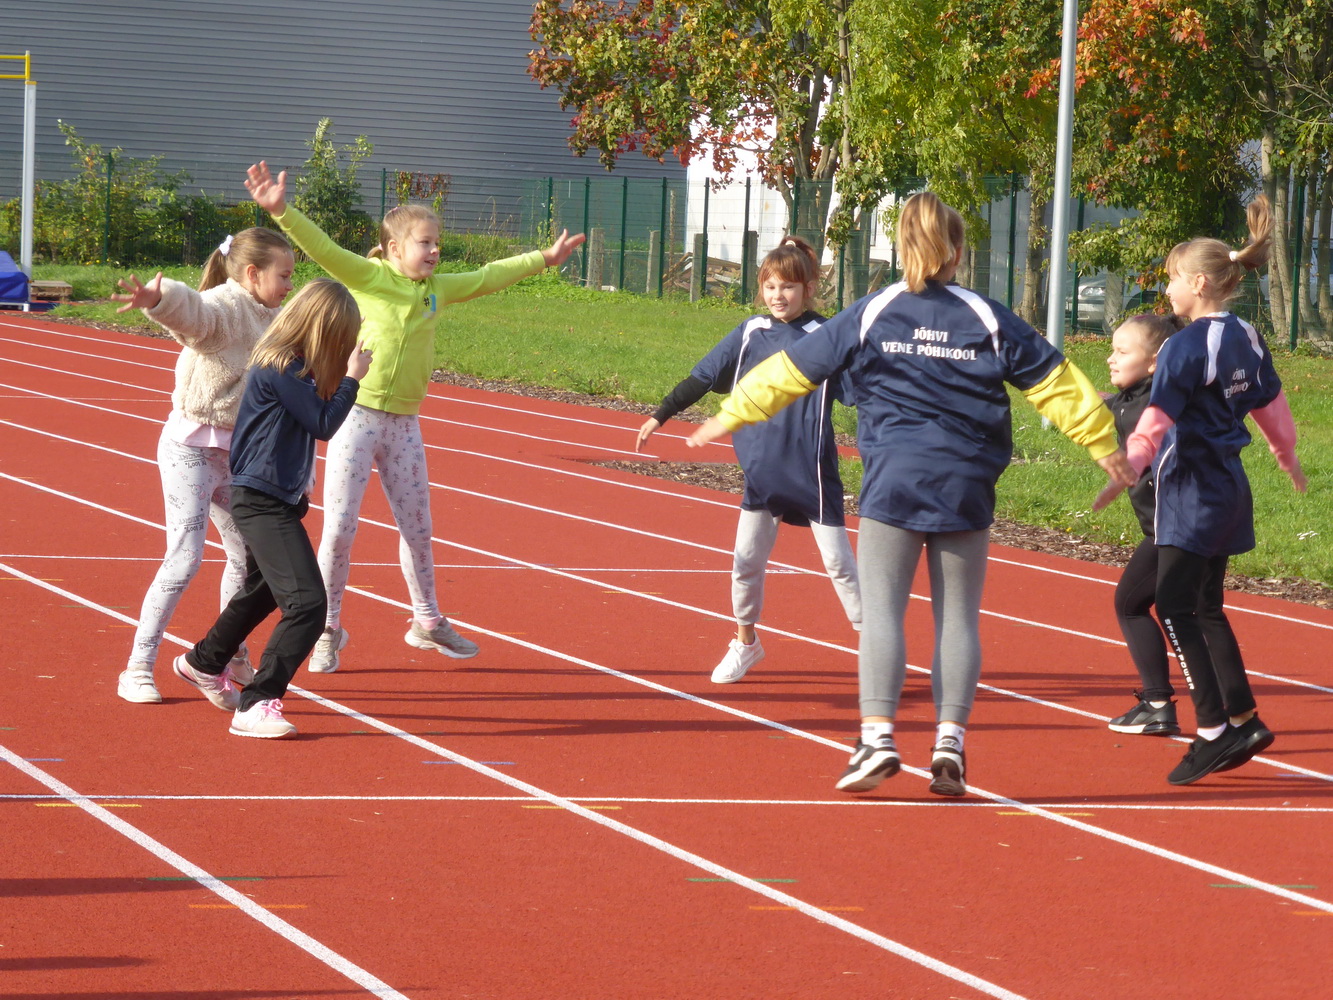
column 400, row 297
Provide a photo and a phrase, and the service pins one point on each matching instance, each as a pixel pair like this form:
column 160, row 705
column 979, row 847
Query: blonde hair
column 1154, row 328
column 319, row 327
column 257, row 246
column 930, row 234
column 397, row 225
column 1221, row 266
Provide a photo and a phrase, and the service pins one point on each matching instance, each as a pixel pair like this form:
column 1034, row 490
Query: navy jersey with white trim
column 928, row 372
column 1209, row 376
column 791, row 461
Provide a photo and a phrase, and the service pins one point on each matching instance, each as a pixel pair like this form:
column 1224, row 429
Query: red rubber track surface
column 578, row 812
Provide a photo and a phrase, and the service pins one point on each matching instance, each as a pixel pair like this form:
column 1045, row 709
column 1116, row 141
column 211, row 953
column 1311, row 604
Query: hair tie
column 224, row 247
column 1234, row 255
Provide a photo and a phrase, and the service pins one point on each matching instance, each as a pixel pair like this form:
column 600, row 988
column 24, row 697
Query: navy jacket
column 281, row 416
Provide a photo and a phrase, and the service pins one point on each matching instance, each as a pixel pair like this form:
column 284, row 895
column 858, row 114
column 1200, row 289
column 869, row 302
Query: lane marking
column 287, row 931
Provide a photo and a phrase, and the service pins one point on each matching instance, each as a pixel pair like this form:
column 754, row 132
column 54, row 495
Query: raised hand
column 268, row 193
column 140, row 296
column 558, row 252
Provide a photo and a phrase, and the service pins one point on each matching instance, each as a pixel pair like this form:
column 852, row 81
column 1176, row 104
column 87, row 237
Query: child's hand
column 269, row 194
column 358, row 362
column 710, row 430
column 141, row 296
column 558, row 252
column 1298, row 478
column 1108, row 493
column 645, row 432
column 1118, row 468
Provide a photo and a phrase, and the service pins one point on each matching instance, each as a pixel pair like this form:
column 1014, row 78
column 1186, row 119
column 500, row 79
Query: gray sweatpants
column 888, row 558
column 756, row 533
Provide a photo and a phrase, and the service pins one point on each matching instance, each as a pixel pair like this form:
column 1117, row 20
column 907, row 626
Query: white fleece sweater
column 219, row 328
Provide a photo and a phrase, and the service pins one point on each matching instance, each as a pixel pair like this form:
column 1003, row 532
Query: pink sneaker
column 217, row 688
column 264, row 720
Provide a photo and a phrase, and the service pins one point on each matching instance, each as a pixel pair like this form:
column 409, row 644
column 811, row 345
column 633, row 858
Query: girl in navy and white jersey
column 1209, row 376
column 928, row 362
column 790, row 464
column 303, row 380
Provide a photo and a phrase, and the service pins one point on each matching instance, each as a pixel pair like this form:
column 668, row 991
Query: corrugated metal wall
column 438, row 86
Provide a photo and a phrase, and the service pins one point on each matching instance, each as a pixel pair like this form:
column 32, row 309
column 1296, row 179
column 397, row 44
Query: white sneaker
column 240, row 669
column 441, row 638
column 136, row 685
column 264, row 720
column 739, row 659
column 217, row 688
column 324, row 660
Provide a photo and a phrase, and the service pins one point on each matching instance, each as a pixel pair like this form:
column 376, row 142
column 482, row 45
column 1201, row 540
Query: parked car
column 1092, row 301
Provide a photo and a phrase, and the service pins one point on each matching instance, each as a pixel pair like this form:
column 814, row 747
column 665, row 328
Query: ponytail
column 1222, row 266
column 930, row 234
column 256, row 246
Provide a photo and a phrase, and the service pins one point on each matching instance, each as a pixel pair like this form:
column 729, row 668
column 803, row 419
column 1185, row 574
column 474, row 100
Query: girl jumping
column 790, row 463
column 243, row 284
column 1209, row 376
column 400, row 296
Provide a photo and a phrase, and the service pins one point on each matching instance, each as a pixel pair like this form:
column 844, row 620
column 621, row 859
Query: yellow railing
column 26, row 75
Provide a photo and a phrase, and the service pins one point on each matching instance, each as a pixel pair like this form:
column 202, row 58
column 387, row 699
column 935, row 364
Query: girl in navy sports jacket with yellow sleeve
column 1209, row 377
column 928, row 361
column 790, row 463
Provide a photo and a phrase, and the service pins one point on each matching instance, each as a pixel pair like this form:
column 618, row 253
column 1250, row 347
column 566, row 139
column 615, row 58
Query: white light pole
column 1064, row 154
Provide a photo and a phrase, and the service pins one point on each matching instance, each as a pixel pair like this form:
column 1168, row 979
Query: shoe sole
column 428, row 645
column 865, row 781
column 947, row 778
column 1244, row 754
column 175, row 668
column 154, row 699
column 263, row 736
column 1147, row 729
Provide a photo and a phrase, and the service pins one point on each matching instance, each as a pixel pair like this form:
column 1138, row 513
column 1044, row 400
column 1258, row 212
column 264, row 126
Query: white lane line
column 845, row 803
column 683, row 496
column 206, row 880
column 534, row 792
column 1044, row 812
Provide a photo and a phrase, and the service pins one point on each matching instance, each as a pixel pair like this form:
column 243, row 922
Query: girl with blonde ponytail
column 928, row 361
column 1209, row 377
column 244, row 282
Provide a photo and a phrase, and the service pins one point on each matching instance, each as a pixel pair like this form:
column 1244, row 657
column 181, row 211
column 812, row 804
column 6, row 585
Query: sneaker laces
column 271, row 708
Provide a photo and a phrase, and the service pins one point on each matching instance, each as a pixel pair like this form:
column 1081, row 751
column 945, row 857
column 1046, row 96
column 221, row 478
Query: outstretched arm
column 140, row 296
column 1279, row 429
column 269, row 193
column 558, row 252
column 770, row 386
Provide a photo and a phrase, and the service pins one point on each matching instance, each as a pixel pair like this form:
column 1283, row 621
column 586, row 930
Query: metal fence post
column 1013, row 227
column 1073, row 309
column 106, row 220
column 745, row 246
column 550, row 210
column 384, row 191
column 587, row 197
column 1296, row 280
column 624, row 214
column 661, row 243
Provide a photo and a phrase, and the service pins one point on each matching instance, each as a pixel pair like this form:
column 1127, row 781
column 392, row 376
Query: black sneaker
column 1144, row 720
column 1251, row 738
column 1204, row 757
column 869, row 766
column 946, row 767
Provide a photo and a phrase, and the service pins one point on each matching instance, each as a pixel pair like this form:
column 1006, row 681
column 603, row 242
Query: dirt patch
column 729, row 479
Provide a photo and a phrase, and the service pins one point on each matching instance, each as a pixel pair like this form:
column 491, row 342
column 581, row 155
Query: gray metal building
column 438, row 86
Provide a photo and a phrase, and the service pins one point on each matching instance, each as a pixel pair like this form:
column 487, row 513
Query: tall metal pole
column 1064, row 148
column 29, row 142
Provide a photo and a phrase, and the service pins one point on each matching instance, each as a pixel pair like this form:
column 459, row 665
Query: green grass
column 546, row 332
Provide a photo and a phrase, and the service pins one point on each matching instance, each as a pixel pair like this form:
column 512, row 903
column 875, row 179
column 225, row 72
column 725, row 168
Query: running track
column 578, row 812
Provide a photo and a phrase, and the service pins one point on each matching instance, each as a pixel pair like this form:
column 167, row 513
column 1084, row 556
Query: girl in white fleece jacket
column 244, row 282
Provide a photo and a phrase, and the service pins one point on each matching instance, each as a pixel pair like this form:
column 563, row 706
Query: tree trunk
column 1279, row 266
column 1309, row 319
column 1030, row 305
column 1114, row 302
column 1325, row 255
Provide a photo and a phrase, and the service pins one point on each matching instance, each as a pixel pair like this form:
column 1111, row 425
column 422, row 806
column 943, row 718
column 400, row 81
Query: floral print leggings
column 391, row 442
column 196, row 488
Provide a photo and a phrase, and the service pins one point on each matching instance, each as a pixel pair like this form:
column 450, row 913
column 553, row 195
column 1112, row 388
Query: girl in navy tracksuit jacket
column 790, row 464
column 1210, row 376
column 295, row 393
column 928, row 361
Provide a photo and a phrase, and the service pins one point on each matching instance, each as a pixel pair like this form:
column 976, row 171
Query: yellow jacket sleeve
column 769, row 386
column 1067, row 399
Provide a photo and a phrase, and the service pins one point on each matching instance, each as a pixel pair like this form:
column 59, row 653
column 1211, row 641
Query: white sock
column 1157, row 704
column 949, row 729
column 876, row 733
column 1212, row 732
